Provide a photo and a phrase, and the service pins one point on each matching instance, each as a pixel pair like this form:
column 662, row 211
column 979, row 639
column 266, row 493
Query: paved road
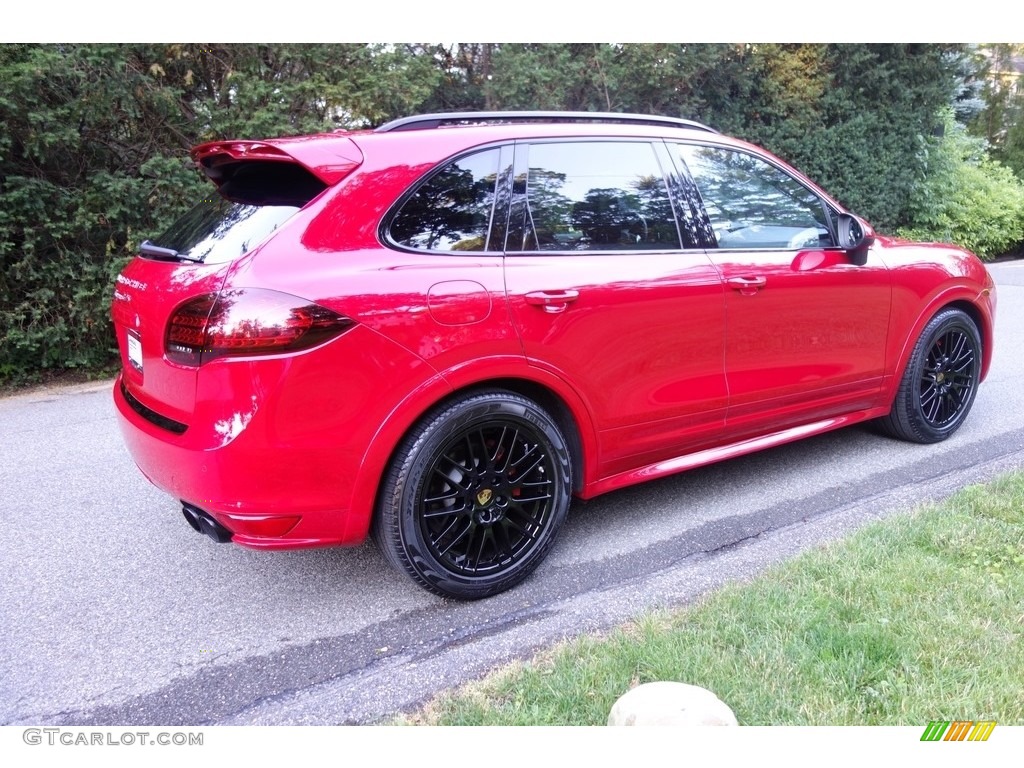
column 114, row 612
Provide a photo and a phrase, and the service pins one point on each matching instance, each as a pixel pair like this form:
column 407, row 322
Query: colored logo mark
column 958, row 730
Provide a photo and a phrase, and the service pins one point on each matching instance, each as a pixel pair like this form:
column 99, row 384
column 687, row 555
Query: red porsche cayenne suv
column 439, row 331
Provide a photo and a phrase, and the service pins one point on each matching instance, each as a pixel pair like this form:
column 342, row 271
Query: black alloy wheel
column 487, row 498
column 948, row 377
column 940, row 381
column 475, row 496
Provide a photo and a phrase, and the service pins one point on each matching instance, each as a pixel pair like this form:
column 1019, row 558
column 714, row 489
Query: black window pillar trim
column 501, row 212
column 686, row 192
column 681, row 188
column 515, row 240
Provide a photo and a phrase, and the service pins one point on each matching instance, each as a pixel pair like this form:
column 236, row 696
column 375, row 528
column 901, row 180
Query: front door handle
column 748, row 286
column 552, row 301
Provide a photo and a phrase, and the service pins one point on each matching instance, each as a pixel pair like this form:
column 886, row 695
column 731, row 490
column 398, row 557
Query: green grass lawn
column 915, row 619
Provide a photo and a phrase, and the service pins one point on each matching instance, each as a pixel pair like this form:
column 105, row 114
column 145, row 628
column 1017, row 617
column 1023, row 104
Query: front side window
column 596, row 196
column 452, row 210
column 753, row 204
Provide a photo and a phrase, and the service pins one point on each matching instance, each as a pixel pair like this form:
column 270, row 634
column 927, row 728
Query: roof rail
column 439, row 119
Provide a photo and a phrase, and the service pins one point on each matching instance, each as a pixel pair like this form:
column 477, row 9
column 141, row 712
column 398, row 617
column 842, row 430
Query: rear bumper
column 269, row 495
column 284, row 451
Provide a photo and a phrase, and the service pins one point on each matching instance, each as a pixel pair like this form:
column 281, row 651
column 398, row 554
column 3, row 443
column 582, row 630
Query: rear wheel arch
column 559, row 411
column 566, row 409
column 554, row 404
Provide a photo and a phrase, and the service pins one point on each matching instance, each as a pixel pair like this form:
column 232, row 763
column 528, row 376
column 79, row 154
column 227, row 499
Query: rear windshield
column 216, row 230
column 255, row 198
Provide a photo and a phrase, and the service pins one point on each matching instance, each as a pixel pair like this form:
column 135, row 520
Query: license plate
column 135, row 351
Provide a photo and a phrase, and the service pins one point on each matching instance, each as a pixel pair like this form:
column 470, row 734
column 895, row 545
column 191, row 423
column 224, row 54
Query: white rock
column 668, row 703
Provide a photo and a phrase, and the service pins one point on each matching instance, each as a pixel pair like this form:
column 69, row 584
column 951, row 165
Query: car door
column 806, row 328
column 603, row 295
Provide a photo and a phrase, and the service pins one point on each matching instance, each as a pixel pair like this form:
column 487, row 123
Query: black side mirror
column 855, row 237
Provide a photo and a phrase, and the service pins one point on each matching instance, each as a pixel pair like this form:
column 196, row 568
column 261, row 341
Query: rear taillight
column 247, row 321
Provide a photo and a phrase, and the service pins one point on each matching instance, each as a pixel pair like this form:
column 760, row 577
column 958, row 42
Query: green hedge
column 967, row 198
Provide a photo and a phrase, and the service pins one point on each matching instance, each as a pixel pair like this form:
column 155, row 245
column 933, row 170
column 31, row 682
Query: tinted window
column 217, row 231
column 597, row 196
column 753, row 204
column 452, row 210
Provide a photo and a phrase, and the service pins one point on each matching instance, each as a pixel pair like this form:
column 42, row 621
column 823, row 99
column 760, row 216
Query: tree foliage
column 94, row 144
column 1001, row 121
column 94, row 138
column 854, row 117
column 967, row 197
column 85, row 135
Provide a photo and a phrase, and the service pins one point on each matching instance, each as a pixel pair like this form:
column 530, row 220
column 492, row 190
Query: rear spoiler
column 329, row 158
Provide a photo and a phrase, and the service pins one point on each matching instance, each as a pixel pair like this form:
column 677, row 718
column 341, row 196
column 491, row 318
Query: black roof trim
column 440, row 119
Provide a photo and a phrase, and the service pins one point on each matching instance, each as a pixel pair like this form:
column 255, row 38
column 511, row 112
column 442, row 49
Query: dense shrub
column 94, row 144
column 852, row 117
column 967, row 198
column 86, row 162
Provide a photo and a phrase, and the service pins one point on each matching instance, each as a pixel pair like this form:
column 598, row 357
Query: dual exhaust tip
column 203, row 522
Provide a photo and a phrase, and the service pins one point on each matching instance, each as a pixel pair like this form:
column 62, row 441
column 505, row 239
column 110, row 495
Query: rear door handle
column 552, row 301
column 748, row 286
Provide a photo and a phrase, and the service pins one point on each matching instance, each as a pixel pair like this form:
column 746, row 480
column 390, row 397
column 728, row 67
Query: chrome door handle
column 748, row 286
column 552, row 301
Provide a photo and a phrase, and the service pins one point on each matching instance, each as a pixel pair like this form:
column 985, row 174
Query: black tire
column 475, row 496
column 939, row 384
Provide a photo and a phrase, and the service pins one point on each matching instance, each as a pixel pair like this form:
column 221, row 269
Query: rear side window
column 586, row 196
column 452, row 210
